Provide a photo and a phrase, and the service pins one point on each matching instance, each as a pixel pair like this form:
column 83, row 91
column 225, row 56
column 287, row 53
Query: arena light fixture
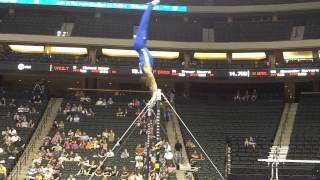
column 250, row 56
column 298, row 55
column 133, row 53
column 66, row 50
column 27, row 48
column 210, row 56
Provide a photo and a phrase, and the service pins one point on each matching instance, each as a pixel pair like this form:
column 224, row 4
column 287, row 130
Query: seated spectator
column 111, row 136
column 125, row 113
column 74, row 108
column 18, row 124
column 93, row 166
column 252, row 142
column 89, row 145
column 31, row 124
column 99, row 172
column 104, row 102
column 61, row 125
column 3, row 171
column 237, row 97
column 196, row 157
column 33, row 110
column 114, row 171
column 104, row 144
column 12, row 103
column 71, row 177
column 102, row 154
column 125, row 154
column 139, row 150
column 57, row 148
column 16, row 117
column 171, row 168
column 84, row 137
column 3, row 102
column 79, row 108
column 32, row 171
column 82, row 171
column 190, row 144
column 110, row 101
column 77, row 157
column 37, row 99
column 123, row 173
column 254, row 95
column 110, row 154
column 168, row 155
column 74, row 145
column 90, row 112
column 99, row 102
column 69, row 118
column 246, row 142
column 76, row 118
column 24, row 124
column 246, row 96
column 119, row 113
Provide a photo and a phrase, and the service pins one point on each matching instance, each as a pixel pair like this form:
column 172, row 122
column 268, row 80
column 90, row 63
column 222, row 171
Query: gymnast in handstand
column 140, row 45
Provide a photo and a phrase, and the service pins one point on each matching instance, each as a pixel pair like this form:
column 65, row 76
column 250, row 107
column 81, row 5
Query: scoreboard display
column 177, row 73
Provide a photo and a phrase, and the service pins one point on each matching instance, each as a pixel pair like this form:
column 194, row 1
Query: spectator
column 12, row 103
column 119, row 113
column 99, row 102
column 246, row 96
column 3, row 171
column 196, row 157
column 190, row 144
column 71, row 177
column 252, row 142
column 178, row 148
column 76, row 118
column 124, row 154
column 167, row 114
column 110, row 101
column 246, row 142
column 124, row 172
column 90, row 112
column 84, row 137
column 61, row 125
column 111, row 136
column 3, row 102
column 237, row 97
column 254, row 95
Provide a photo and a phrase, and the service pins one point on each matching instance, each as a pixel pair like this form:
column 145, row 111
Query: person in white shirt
column 15, row 138
column 71, row 177
column 12, row 132
column 99, row 102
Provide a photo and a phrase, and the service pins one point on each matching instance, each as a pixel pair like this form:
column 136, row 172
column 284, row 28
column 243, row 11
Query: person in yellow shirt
column 3, row 171
column 89, row 145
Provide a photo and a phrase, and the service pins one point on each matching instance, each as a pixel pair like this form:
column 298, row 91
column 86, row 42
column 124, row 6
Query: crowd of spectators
column 246, row 97
column 66, row 144
column 21, row 116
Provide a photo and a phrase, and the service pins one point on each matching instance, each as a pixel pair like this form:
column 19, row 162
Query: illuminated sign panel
column 90, row 4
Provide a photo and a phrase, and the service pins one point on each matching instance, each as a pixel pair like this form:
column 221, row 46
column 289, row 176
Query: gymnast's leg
column 146, row 60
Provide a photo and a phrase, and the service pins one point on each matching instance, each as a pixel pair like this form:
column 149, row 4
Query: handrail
column 31, row 144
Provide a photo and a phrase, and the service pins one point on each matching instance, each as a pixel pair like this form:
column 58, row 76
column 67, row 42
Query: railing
column 30, row 147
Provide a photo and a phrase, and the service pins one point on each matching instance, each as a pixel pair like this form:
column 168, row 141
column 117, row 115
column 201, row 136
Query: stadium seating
column 7, row 113
column 305, row 138
column 33, row 23
column 214, row 121
column 252, row 31
column 104, row 118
